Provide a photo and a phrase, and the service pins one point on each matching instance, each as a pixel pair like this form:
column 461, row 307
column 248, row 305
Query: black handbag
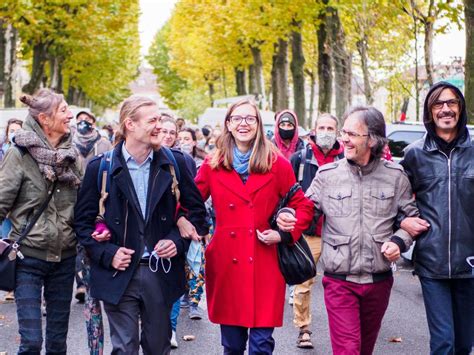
column 296, row 261
column 9, row 250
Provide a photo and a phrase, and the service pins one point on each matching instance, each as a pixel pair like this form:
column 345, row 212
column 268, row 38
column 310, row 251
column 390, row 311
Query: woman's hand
column 101, row 233
column 187, row 230
column 286, row 221
column 269, row 237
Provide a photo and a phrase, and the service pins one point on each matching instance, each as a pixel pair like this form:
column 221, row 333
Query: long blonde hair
column 129, row 109
column 263, row 152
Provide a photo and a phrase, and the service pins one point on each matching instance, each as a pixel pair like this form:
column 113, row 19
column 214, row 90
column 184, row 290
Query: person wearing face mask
column 322, row 148
column 286, row 133
column 87, row 140
column 188, row 144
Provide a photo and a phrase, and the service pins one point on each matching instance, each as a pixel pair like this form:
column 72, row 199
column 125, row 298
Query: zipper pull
column 20, row 254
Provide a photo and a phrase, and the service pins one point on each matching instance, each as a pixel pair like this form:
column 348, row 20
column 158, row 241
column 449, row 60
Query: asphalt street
column 405, row 319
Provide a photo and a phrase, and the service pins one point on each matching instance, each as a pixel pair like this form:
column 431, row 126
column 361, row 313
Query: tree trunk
column 312, row 94
column 252, row 80
column 428, row 47
column 224, row 82
column 324, row 64
column 342, row 63
column 297, row 71
column 211, row 93
column 39, row 59
column 469, row 65
column 56, row 74
column 280, row 76
column 11, row 37
column 362, row 49
column 2, row 53
column 240, row 86
column 258, row 71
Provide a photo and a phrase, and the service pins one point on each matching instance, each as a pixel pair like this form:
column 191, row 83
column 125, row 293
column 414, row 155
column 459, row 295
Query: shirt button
column 250, row 260
column 251, row 231
column 231, row 206
column 234, row 260
column 232, row 234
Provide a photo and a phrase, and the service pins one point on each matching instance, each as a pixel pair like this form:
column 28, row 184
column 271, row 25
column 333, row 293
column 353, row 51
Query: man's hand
column 286, row 221
column 122, row 258
column 391, row 251
column 414, row 226
column 166, row 248
column 269, row 237
column 187, row 230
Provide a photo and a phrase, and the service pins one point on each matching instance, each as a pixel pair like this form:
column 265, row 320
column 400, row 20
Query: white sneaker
column 174, row 342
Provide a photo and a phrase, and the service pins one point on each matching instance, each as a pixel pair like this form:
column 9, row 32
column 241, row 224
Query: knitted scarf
column 240, row 161
column 85, row 142
column 54, row 164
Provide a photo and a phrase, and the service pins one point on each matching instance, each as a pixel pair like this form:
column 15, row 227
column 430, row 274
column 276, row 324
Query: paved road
column 405, row 318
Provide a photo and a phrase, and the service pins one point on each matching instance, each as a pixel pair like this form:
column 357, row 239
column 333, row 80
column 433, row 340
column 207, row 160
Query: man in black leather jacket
column 441, row 170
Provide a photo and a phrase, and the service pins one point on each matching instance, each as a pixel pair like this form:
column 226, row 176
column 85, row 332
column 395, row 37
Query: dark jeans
column 143, row 300
column 450, row 313
column 57, row 279
column 234, row 340
column 79, row 266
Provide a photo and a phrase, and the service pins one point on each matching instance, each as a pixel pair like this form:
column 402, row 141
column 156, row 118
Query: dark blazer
column 130, row 229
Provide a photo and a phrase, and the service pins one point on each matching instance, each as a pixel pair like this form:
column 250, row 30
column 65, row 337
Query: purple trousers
column 355, row 313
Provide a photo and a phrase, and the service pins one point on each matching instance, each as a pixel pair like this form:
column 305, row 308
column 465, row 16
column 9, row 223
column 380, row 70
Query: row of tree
column 88, row 50
column 277, row 49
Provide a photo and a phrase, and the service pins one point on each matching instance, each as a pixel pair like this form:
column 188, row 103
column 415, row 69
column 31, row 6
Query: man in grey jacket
column 361, row 197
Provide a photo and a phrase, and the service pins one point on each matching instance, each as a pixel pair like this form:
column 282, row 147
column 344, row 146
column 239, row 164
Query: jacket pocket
column 336, row 255
column 339, row 202
column 379, row 262
column 382, row 200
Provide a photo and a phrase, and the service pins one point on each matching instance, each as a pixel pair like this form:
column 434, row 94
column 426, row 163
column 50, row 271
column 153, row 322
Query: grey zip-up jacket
column 361, row 206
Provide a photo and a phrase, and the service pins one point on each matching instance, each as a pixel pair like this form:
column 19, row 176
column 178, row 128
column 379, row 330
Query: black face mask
column 84, row 127
column 286, row 134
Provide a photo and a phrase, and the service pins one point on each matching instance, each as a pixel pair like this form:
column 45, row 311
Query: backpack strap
column 103, row 179
column 174, row 170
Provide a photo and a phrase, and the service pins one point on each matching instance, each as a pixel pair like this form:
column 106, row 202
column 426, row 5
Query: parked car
column 402, row 134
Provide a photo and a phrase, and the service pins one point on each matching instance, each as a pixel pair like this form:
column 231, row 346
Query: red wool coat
column 244, row 286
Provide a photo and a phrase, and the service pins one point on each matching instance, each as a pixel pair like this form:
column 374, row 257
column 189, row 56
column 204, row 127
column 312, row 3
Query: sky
column 154, row 13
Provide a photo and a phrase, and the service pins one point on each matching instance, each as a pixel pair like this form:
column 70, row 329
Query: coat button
column 163, row 218
column 117, row 221
column 234, row 260
column 231, row 206
column 232, row 234
column 250, row 260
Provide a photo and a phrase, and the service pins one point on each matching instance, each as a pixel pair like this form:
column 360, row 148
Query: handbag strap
column 27, row 230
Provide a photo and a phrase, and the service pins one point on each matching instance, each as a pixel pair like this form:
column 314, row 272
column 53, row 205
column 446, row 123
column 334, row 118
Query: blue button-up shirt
column 140, row 174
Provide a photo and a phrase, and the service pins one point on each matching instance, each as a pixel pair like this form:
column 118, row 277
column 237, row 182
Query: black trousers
column 143, row 299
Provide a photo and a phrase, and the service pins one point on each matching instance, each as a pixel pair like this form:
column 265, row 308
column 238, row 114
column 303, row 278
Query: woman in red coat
column 246, row 178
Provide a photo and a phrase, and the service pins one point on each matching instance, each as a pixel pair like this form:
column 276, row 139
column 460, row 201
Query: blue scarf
column 241, row 161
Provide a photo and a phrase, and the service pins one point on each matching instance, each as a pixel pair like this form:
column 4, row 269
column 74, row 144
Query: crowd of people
column 147, row 217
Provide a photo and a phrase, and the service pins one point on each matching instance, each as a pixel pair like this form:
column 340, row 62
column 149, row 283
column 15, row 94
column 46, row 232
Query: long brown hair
column 263, row 152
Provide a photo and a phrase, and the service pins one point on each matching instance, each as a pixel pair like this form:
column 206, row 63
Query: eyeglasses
column 452, row 103
column 250, row 120
column 351, row 135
